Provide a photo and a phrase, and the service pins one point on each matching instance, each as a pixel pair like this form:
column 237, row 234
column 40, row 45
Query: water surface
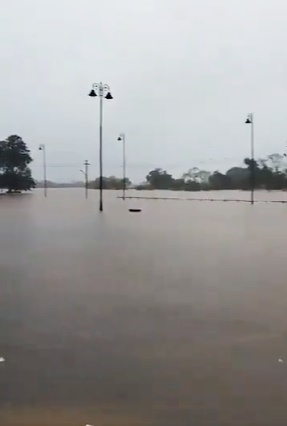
column 174, row 316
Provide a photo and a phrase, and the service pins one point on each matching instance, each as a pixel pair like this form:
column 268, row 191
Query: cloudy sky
column 184, row 74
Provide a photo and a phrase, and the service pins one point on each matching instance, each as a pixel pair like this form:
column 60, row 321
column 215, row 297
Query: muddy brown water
column 173, row 316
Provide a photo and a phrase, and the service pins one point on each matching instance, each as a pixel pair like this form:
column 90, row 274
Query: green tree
column 220, row 181
column 15, row 175
column 159, row 179
column 178, row 185
column 239, row 177
column 192, row 185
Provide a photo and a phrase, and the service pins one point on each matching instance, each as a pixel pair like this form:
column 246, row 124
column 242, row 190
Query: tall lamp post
column 122, row 138
column 250, row 120
column 42, row 148
column 102, row 91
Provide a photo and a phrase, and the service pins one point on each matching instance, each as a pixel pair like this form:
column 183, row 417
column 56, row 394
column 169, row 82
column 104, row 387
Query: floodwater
column 173, row 316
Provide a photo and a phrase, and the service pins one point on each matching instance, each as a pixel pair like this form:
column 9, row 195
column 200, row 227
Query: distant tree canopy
column 269, row 173
column 15, row 175
column 111, row 182
column 51, row 184
column 159, row 179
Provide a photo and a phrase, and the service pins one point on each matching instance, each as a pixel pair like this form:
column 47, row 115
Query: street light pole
column 122, row 138
column 42, row 148
column 101, row 154
column 102, row 91
column 250, row 120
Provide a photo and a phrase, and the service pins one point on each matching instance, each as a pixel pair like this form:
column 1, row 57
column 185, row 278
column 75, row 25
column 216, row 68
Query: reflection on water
column 174, row 316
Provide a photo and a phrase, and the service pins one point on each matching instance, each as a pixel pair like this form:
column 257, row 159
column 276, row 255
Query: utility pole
column 86, row 174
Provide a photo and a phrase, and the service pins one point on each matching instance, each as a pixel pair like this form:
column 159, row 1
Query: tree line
column 268, row 173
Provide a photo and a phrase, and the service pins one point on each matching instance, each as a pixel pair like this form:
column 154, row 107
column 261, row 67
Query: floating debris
column 280, row 360
column 2, row 359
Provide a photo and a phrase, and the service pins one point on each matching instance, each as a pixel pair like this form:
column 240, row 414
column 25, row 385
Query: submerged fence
column 224, row 200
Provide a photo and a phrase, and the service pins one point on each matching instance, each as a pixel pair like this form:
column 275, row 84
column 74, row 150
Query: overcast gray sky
column 184, row 74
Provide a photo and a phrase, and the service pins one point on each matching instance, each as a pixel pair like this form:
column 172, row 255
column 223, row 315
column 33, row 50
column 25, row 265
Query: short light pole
column 122, row 138
column 86, row 174
column 250, row 120
column 102, row 91
column 42, row 148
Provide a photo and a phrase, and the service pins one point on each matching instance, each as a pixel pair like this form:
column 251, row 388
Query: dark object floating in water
column 135, row 210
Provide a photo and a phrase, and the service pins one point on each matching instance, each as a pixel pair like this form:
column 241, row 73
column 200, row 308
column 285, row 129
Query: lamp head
column 249, row 119
column 93, row 94
column 109, row 96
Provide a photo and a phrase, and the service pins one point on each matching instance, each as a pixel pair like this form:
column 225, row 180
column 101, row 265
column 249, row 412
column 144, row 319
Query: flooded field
column 174, row 316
